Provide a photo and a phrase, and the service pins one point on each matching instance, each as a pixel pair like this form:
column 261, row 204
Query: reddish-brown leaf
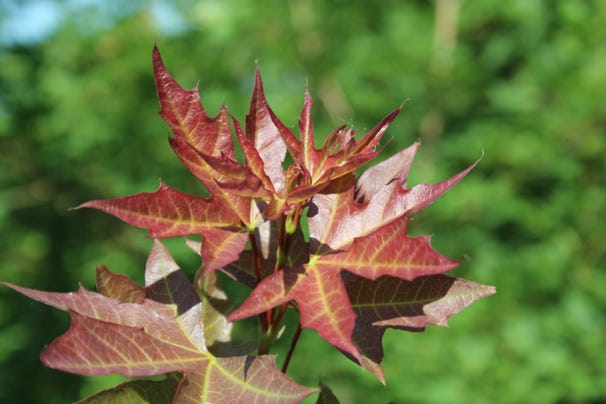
column 325, row 307
column 407, row 305
column 357, row 153
column 310, row 156
column 265, row 134
column 118, row 286
column 211, row 178
column 367, row 238
column 255, row 161
column 389, row 251
column 137, row 392
column 274, row 290
column 320, row 297
column 340, row 155
column 377, row 176
column 167, row 212
column 162, row 334
column 221, row 247
column 184, row 113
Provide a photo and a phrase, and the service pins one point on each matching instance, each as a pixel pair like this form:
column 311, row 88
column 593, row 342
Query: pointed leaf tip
column 167, row 212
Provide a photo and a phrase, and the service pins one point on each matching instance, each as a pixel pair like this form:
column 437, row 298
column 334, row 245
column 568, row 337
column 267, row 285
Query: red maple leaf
column 389, row 302
column 158, row 329
column 363, row 230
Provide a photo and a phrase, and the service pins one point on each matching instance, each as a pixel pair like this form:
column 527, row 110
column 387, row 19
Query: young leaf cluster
column 353, row 274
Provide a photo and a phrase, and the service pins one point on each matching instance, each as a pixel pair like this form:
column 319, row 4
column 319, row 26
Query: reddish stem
column 291, row 350
column 278, row 318
column 265, row 319
column 256, row 255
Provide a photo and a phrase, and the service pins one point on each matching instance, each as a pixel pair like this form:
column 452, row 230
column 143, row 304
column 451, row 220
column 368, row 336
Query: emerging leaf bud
column 296, row 176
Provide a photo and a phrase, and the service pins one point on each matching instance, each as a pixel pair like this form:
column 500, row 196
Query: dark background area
column 523, row 82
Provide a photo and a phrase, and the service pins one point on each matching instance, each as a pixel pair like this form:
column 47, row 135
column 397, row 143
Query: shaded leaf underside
column 407, row 305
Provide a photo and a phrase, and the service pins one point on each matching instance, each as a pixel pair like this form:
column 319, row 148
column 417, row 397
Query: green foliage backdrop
column 523, row 82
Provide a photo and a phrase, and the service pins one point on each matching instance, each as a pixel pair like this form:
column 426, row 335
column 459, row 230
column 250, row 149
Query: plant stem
column 265, row 319
column 282, row 245
column 266, row 338
column 256, row 257
column 293, row 345
column 278, row 318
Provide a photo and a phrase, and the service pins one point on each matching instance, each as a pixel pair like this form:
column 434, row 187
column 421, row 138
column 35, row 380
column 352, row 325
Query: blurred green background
column 523, row 82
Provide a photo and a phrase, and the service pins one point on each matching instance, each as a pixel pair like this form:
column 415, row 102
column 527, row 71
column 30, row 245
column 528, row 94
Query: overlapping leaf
column 168, row 212
column 137, row 392
column 123, row 331
column 408, row 305
column 204, row 145
column 341, row 154
column 363, row 232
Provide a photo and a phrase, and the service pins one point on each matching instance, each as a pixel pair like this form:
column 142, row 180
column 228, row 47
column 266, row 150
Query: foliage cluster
column 351, row 276
column 520, row 80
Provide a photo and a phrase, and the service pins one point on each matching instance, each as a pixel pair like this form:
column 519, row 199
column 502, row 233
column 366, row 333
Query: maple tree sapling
column 353, row 274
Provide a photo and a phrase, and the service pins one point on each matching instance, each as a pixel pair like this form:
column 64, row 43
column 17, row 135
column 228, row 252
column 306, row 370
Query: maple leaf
column 389, row 302
column 363, row 230
column 205, row 146
column 340, row 154
column 157, row 330
column 137, row 392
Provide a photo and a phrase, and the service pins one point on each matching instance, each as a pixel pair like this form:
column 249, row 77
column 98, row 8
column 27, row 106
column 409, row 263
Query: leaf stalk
column 291, row 350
